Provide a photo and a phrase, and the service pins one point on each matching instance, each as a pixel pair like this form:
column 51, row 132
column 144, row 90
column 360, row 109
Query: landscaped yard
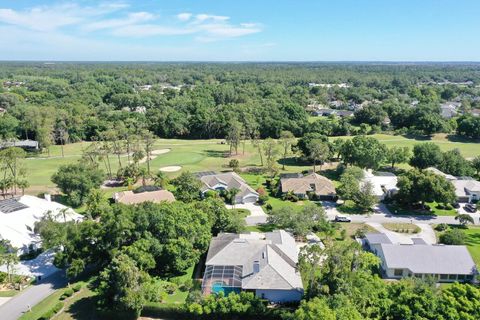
column 402, row 227
column 433, row 211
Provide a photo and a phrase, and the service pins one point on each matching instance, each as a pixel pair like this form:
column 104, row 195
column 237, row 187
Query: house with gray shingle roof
column 443, row 263
column 264, row 263
column 467, row 189
column 227, row 181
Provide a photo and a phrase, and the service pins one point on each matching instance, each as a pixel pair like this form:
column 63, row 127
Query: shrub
column 170, row 287
column 262, row 199
column 57, row 307
column 441, row 227
column 234, row 164
column 47, row 315
column 187, row 285
column 449, row 206
column 68, row 293
column 77, row 287
column 3, row 277
column 269, row 207
column 261, row 191
column 453, row 237
column 361, row 232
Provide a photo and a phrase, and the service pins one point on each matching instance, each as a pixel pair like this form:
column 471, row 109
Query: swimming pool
column 220, row 286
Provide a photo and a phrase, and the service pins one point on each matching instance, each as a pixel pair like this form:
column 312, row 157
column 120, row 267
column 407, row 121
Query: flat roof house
column 262, row 263
column 130, row 197
column 226, row 181
column 312, row 183
column 443, row 263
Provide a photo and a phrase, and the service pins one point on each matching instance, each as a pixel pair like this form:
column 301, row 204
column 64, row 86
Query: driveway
column 40, row 266
column 257, row 215
column 18, row 305
column 383, row 215
column 426, row 233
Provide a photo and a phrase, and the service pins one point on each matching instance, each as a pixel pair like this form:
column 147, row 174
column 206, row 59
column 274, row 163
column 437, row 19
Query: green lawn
column 42, row 307
column 473, row 243
column 466, row 147
column 179, row 296
column 433, row 211
column 202, row 155
column 8, row 293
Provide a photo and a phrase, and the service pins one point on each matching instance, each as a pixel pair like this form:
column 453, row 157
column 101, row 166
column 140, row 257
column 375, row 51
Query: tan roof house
column 130, row 197
column 312, row 183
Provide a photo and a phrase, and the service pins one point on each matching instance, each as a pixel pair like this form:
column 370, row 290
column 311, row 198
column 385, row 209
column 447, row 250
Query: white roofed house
column 467, row 189
column 442, row 263
column 18, row 217
column 383, row 183
column 227, row 181
column 265, row 264
column 449, row 109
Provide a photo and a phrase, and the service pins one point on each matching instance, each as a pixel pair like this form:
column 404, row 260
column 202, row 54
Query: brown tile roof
column 128, row 197
column 322, row 186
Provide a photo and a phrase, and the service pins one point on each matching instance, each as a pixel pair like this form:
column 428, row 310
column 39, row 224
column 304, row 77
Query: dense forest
column 57, row 103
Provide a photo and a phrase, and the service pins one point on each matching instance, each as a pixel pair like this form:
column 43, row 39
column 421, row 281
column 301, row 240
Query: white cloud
column 204, row 17
column 49, row 18
column 184, row 16
column 117, row 19
column 131, row 19
column 150, row 30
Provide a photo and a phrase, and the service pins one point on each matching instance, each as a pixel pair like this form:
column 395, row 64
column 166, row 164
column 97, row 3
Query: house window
column 398, row 272
column 418, row 275
column 461, row 277
column 452, row 277
column 444, row 277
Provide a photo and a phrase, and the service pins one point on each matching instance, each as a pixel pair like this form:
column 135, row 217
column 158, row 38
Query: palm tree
column 160, row 179
column 231, row 195
column 63, row 213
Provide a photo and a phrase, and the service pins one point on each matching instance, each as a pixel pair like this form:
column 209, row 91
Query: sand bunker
column 161, row 151
column 170, row 169
column 154, row 154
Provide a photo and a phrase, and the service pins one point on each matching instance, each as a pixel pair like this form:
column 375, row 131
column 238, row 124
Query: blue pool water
column 220, row 287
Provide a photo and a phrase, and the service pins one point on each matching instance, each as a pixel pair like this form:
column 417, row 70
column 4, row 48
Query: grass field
column 202, row 155
column 473, row 243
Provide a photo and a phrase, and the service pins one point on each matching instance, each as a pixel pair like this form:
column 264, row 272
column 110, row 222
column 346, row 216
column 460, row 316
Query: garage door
column 251, row 199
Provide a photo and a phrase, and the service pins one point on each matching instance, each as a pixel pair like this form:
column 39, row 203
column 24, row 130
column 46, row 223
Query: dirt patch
column 171, row 169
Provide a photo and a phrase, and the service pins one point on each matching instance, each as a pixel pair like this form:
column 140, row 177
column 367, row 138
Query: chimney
column 256, row 267
column 47, row 197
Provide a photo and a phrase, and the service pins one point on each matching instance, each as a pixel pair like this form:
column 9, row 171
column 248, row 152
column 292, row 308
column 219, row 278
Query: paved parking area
column 257, row 215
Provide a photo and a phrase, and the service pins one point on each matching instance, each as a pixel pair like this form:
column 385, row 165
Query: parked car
column 456, row 205
column 342, row 219
column 470, row 207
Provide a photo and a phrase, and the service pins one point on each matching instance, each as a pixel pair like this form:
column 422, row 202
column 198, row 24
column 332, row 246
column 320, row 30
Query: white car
column 342, row 219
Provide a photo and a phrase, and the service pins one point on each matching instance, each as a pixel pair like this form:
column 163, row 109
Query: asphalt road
column 384, row 216
column 18, row 305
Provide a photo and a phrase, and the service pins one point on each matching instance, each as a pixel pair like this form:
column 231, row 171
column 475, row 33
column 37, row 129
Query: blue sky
column 241, row 30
